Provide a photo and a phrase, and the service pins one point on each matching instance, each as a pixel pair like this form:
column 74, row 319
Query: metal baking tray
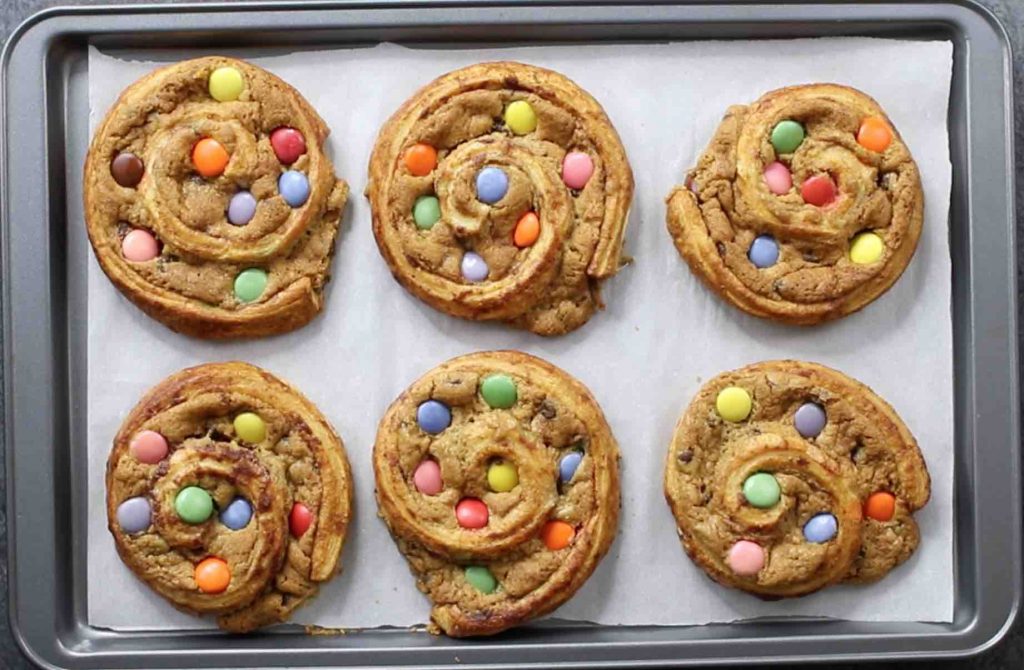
column 44, row 138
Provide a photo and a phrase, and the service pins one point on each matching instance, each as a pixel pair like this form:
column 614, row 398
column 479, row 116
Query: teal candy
column 499, row 391
column 193, row 505
column 481, row 579
column 762, row 490
column 426, row 211
column 787, row 136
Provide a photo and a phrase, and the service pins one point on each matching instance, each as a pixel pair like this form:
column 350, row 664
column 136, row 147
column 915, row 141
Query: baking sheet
column 644, row 357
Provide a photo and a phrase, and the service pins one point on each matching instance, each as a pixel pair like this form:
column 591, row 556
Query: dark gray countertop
column 1009, row 653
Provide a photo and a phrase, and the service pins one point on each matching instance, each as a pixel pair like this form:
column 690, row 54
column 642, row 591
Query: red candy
column 300, row 519
column 471, row 513
column 819, row 190
column 288, row 144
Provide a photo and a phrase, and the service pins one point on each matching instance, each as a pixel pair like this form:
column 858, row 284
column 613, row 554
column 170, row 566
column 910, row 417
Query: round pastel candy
column 210, row 157
column 226, row 84
column 288, row 144
column 810, row 419
column 126, row 169
column 491, row 184
column 818, row 190
column 520, row 117
column 527, row 230
column 481, row 579
column 787, row 136
column 874, row 134
column 821, row 528
column 499, row 391
column 761, row 490
column 764, row 251
column 733, row 403
column 250, row 284
column 294, row 187
column 193, row 504
column 427, row 477
column 474, row 267
column 577, row 168
column 426, row 211
column 299, row 519
column 433, row 416
column 746, row 558
column 502, row 477
column 212, row 575
column 880, row 506
column 237, row 514
column 133, row 515
column 420, row 159
column 557, row 535
column 471, row 513
column 568, row 465
column 778, row 178
column 241, row 208
column 148, row 447
column 140, row 246
column 250, row 427
column 866, row 248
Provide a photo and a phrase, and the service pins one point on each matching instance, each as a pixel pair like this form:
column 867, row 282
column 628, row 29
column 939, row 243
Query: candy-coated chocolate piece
column 491, row 184
column 787, row 136
column 433, row 416
column 577, row 168
column 866, row 248
column 420, row 159
column 250, row 427
column 474, row 267
column 426, row 211
column 193, row 504
column 810, row 419
column 241, row 208
column 226, row 84
column 212, row 575
column 237, row 514
column 761, row 490
column 148, row 446
column 133, row 515
column 527, row 230
column 733, row 403
column 821, row 528
column 778, row 178
column 126, row 169
column 293, row 187
column 818, row 190
column 557, row 534
column 746, row 558
column 140, row 246
column 471, row 513
column 427, row 477
column 299, row 520
column 874, row 134
column 520, row 117
column 502, row 477
column 880, row 506
column 764, row 251
column 499, row 391
column 568, row 465
column 250, row 284
column 481, row 579
column 210, row 157
column 288, row 144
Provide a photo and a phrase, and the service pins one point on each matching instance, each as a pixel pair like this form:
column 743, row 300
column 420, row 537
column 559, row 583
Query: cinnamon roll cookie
column 500, row 192
column 805, row 206
column 785, row 477
column 209, row 200
column 229, row 494
column 498, row 477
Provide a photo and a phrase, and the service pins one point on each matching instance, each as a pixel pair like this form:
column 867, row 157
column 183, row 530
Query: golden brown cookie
column 229, row 494
column 209, row 200
column 785, row 477
column 805, row 206
column 500, row 192
column 498, row 477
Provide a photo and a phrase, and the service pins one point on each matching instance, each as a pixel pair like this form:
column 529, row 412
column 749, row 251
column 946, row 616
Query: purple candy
column 133, row 515
column 810, row 419
column 764, row 251
column 474, row 267
column 242, row 208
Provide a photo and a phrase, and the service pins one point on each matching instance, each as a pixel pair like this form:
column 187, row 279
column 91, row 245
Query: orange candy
column 874, row 134
column 527, row 230
column 557, row 534
column 421, row 159
column 880, row 506
column 209, row 157
column 212, row 575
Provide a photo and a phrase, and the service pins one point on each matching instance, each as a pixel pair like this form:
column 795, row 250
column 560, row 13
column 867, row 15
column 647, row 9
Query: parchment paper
column 644, row 357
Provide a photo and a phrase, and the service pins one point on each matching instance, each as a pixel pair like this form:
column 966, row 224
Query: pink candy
column 148, row 447
column 746, row 558
column 577, row 168
column 139, row 245
column 778, row 178
column 427, row 478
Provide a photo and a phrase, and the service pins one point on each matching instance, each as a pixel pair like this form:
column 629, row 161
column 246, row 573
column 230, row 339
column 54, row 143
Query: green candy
column 481, row 579
column 426, row 211
column 250, row 284
column 193, row 504
column 499, row 391
column 787, row 136
column 762, row 490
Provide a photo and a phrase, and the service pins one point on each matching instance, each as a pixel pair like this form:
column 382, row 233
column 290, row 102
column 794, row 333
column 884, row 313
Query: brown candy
column 126, row 169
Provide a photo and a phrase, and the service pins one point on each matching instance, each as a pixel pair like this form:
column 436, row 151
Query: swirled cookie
column 785, row 477
column 805, row 206
column 498, row 477
column 500, row 192
column 209, row 200
column 229, row 494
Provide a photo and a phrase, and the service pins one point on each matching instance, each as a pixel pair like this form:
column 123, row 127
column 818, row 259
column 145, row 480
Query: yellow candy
column 502, row 477
column 226, row 84
column 520, row 117
column 250, row 427
column 866, row 248
column 733, row 403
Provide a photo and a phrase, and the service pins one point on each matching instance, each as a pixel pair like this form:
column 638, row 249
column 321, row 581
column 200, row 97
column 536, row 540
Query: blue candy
column 567, row 466
column 491, row 185
column 821, row 528
column 236, row 516
column 764, row 251
column 242, row 208
column 810, row 419
column 474, row 267
column 433, row 416
column 133, row 515
column 294, row 187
